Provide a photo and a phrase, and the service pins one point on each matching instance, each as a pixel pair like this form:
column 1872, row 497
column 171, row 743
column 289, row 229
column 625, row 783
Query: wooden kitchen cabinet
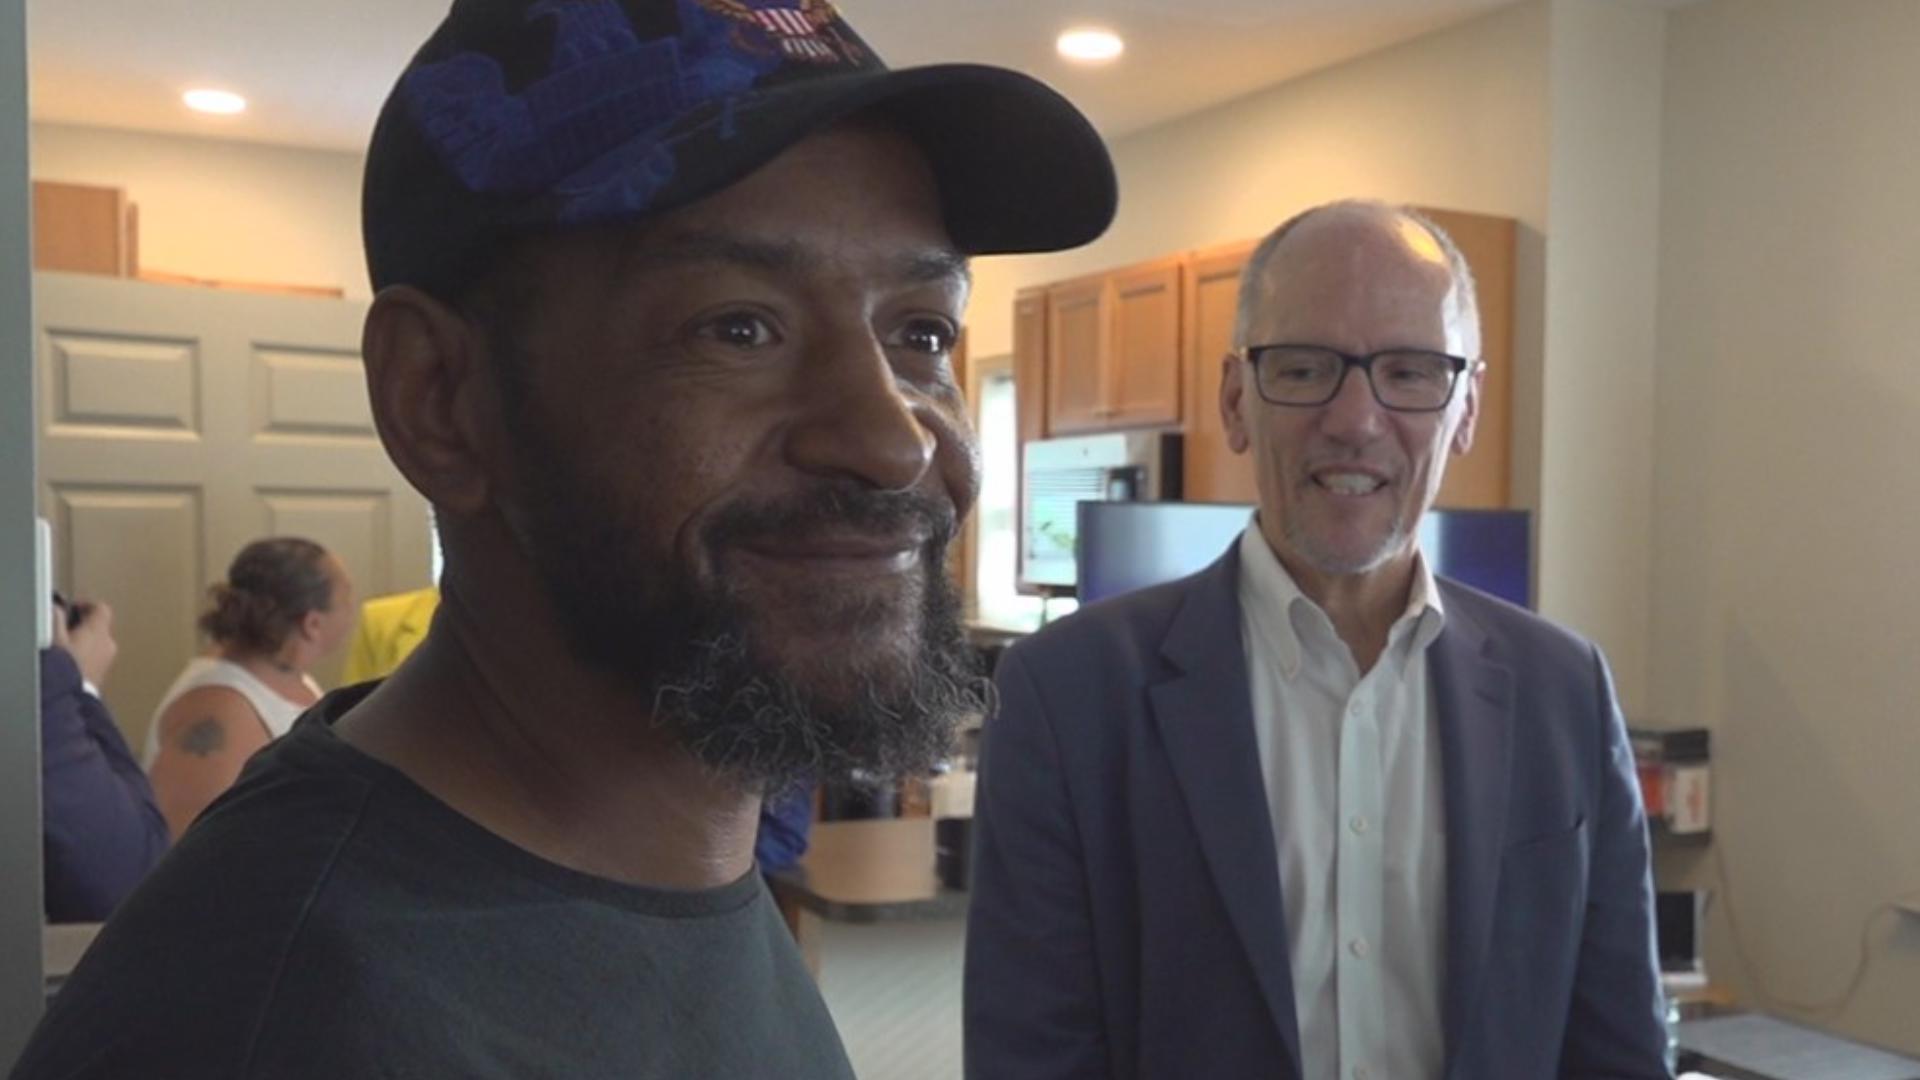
column 1030, row 363
column 1483, row 478
column 1030, row 389
column 1113, row 350
column 1210, row 294
column 84, row 229
column 1143, row 370
column 1079, row 332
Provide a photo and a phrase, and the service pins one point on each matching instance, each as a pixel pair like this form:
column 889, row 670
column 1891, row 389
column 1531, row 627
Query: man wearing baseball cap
column 667, row 294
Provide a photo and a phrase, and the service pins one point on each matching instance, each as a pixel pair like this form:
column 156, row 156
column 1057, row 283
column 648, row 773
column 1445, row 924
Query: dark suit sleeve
column 102, row 829
column 1616, row 1029
column 1032, row 997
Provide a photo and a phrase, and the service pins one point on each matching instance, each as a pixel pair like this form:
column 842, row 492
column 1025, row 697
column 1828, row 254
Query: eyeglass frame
column 1349, row 361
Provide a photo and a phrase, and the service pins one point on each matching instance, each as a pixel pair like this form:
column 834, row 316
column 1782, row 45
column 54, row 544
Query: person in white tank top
column 285, row 605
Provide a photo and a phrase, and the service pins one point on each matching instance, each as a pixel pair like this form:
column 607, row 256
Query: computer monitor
column 1491, row 550
column 1123, row 546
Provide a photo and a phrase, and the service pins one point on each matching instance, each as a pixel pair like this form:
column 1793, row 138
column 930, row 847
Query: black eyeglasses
column 1404, row 380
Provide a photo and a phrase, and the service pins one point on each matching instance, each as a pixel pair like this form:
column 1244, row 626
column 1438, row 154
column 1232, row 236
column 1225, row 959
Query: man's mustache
column 836, row 510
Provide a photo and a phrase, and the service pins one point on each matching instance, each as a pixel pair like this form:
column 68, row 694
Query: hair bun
column 270, row 587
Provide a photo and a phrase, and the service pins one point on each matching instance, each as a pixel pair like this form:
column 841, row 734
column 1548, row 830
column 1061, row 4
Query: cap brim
column 1019, row 168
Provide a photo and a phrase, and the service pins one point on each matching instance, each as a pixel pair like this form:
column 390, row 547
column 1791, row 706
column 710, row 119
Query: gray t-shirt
column 328, row 918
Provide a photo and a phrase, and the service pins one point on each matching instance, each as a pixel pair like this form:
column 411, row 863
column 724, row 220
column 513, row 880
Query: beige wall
column 1786, row 602
column 1596, row 448
column 218, row 209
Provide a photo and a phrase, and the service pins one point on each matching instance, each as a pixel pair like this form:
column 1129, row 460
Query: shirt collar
column 1425, row 615
column 1273, row 601
column 1267, row 595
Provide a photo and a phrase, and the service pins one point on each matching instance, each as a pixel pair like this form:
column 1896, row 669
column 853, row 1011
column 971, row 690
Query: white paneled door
column 176, row 424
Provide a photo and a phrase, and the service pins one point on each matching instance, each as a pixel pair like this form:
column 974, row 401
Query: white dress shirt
column 1351, row 762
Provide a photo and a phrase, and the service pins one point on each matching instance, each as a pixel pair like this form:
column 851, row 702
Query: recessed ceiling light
column 218, row 102
column 1091, row 46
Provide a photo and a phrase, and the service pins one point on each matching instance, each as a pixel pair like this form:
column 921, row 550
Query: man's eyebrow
column 683, row 248
column 925, row 266
column 936, row 265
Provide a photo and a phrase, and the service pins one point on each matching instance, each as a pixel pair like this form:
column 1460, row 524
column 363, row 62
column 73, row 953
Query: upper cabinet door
column 1482, row 479
column 1030, row 364
column 1079, row 330
column 1210, row 296
column 1143, row 378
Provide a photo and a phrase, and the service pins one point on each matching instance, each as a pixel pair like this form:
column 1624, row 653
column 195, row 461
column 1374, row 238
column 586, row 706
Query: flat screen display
column 1123, row 546
column 1491, row 550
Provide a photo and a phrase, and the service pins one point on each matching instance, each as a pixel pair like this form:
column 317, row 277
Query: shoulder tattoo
column 204, row 737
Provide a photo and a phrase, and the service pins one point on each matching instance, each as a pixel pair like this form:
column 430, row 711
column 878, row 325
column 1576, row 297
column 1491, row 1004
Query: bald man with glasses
column 1314, row 813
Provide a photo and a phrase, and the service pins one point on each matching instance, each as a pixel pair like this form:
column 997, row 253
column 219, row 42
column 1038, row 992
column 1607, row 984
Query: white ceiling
column 316, row 71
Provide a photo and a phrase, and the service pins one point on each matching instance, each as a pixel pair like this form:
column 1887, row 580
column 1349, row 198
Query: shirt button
column 1359, row 948
column 1355, row 709
column 1360, row 825
column 1361, row 1072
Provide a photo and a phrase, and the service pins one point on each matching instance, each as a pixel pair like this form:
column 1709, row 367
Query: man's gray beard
column 690, row 651
column 1326, row 563
column 753, row 724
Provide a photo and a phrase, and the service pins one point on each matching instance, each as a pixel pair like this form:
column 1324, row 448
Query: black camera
column 74, row 612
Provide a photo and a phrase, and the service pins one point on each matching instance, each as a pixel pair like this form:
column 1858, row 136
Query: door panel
column 1077, row 341
column 143, row 581
column 1030, row 364
column 1031, row 395
column 352, row 525
column 1212, row 296
column 1145, row 359
column 181, row 423
column 310, row 394
column 122, row 386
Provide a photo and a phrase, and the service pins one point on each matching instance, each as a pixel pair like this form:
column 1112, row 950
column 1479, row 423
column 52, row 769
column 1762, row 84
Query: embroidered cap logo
column 802, row 30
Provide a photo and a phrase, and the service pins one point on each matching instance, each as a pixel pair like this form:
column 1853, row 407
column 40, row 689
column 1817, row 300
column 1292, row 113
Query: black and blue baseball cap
column 523, row 115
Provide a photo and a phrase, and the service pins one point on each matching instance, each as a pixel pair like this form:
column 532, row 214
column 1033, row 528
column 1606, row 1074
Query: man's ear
column 1233, row 388
column 426, row 380
column 1463, row 435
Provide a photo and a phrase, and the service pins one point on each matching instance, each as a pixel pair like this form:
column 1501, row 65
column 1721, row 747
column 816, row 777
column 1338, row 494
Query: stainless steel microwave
column 1058, row 474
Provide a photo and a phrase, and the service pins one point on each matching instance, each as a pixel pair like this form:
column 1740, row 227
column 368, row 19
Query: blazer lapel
column 1205, row 719
column 1475, row 698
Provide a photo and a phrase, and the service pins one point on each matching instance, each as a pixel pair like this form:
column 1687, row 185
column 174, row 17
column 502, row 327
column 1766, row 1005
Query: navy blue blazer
column 1126, row 918
column 100, row 826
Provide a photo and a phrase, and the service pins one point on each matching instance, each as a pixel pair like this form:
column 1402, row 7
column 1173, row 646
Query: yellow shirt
column 390, row 627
